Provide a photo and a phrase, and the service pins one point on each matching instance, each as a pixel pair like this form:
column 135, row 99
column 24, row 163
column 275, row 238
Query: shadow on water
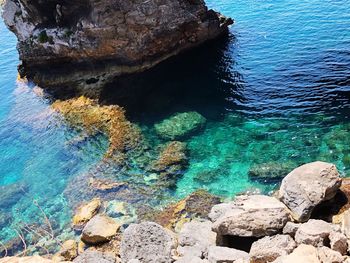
column 198, row 80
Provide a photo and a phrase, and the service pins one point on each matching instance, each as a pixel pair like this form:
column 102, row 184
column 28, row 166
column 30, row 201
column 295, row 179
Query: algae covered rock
column 180, row 125
column 86, row 113
column 147, row 242
column 196, row 205
column 85, row 212
column 171, row 162
column 69, row 250
column 307, row 186
column 270, row 170
column 99, row 229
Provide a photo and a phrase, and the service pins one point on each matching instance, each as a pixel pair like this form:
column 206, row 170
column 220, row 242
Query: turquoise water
column 275, row 93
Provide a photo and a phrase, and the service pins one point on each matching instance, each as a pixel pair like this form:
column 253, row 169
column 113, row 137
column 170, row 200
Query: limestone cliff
column 87, row 42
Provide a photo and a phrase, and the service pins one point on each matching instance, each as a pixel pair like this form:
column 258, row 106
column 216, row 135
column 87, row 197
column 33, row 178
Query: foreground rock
column 148, row 242
column 33, row 259
column 99, row 229
column 180, row 125
column 87, row 43
column 249, row 216
column 92, row 256
column 268, row 249
column 303, row 253
column 313, row 232
column 227, row 255
column 310, row 254
column 307, row 186
column 68, row 251
column 195, row 238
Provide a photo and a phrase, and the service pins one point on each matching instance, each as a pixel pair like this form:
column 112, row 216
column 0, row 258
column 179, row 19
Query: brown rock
column 197, row 204
column 99, row 229
column 69, row 250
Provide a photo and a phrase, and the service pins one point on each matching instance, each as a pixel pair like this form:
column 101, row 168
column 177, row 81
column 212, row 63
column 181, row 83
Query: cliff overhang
column 86, row 43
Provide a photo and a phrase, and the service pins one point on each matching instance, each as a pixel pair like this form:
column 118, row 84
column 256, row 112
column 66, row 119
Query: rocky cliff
column 88, row 42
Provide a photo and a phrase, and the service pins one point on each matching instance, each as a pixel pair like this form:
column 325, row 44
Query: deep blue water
column 277, row 90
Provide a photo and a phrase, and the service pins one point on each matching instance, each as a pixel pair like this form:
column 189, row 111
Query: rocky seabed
column 252, row 228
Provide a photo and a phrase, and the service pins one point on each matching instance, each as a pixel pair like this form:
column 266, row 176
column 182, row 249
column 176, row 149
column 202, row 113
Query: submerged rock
column 171, row 162
column 196, row 205
column 180, row 125
column 270, row 171
column 250, row 216
column 147, row 242
column 99, row 229
column 86, row 113
column 87, row 43
column 85, row 212
column 307, row 186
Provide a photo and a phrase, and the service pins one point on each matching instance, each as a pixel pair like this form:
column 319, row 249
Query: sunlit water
column 276, row 91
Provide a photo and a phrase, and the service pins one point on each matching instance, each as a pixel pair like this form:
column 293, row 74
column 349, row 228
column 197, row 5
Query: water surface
column 275, row 92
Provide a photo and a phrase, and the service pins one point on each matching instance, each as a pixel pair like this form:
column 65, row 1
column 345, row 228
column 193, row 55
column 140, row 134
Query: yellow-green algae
column 86, row 113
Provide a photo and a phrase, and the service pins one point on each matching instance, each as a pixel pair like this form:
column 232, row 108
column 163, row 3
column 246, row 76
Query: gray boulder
column 148, row 242
column 268, row 249
column 290, row 229
column 327, row 255
column 191, row 260
column 338, row 242
column 307, row 186
column 302, row 254
column 314, row 232
column 195, row 238
column 93, row 256
column 226, row 255
column 250, row 216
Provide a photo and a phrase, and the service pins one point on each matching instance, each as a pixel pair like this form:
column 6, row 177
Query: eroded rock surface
column 88, row 42
column 307, row 186
column 249, row 216
column 268, row 249
column 147, row 242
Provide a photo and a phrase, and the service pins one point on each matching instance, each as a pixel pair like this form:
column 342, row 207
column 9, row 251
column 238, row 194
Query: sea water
column 276, row 92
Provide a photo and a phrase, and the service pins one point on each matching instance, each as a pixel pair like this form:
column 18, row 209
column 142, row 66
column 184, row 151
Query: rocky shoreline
column 282, row 228
column 86, row 44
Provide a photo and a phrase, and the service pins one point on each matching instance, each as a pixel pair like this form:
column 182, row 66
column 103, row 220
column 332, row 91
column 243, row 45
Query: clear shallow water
column 277, row 91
